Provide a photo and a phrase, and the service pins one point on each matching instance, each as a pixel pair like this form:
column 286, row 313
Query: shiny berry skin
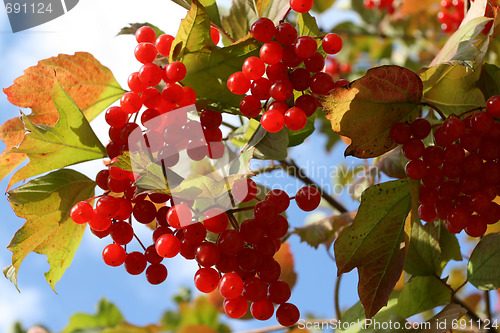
column 145, row 34
column 145, row 52
column 244, row 190
column 254, row 289
column 413, row 149
column 321, row 83
column 214, row 35
column 301, row 6
column 130, row 102
column 116, row 117
column 238, row 83
column 206, row 279
column 156, row 273
column 168, row 246
column 287, row 314
column 420, row 128
column 230, row 242
column 231, row 285
column 144, row 211
column 236, row 307
column 207, row 254
column 263, row 29
column 164, row 44
column 179, row 216
column 272, row 121
column 250, row 106
column 114, row 255
column 279, row 198
column 416, row 169
column 262, row 310
column 285, row 33
column 493, row 106
column 82, row 212
column 271, row 52
column 332, row 43
column 176, row 71
column 295, row 119
column 121, row 232
column 400, row 133
column 135, row 263
column 253, row 68
column 216, row 220
column 305, row 46
column 308, row 198
column 279, row 292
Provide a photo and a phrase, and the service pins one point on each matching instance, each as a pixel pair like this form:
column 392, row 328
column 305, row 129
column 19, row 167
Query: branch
column 433, row 107
column 293, row 170
column 475, row 318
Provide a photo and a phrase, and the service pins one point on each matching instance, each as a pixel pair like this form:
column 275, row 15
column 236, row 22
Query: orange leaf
column 284, row 257
column 91, row 85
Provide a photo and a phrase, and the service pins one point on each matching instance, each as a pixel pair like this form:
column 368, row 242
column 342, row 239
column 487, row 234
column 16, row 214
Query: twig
column 487, row 308
column 232, row 127
column 336, row 297
column 142, row 245
column 293, row 170
column 241, row 209
column 433, row 107
column 302, row 322
column 475, row 318
column 286, row 14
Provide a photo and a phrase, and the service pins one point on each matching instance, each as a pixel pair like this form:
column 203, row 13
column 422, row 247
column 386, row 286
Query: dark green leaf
column 424, row 252
column 308, row 25
column 443, row 321
column 482, row 270
column 323, row 231
column 295, row 138
column 375, row 243
column 489, row 81
column 273, row 146
column 420, row 294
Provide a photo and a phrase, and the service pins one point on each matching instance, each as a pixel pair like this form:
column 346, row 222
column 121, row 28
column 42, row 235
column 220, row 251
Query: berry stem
column 286, row 14
column 232, row 127
column 242, row 209
column 467, row 112
column 443, row 117
column 293, row 170
column 142, row 245
column 233, row 221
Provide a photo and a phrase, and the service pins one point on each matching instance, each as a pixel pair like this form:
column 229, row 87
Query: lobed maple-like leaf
column 91, row 85
column 70, row 141
column 365, row 110
column 375, row 243
column 45, row 203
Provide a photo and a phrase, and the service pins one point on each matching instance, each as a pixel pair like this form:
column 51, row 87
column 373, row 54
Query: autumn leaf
column 91, row 85
column 375, row 243
column 366, row 109
column 45, row 203
column 284, row 257
column 69, row 142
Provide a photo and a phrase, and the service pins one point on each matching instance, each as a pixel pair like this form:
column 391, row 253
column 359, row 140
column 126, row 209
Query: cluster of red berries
column 460, row 173
column 382, row 5
column 337, row 70
column 279, row 61
column 451, row 14
column 239, row 263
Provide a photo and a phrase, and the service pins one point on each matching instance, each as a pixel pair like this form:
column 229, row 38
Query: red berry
column 301, row 6
column 114, row 255
column 272, row 121
column 206, row 279
column 308, row 198
column 145, row 34
column 263, row 29
column 287, row 314
column 332, row 43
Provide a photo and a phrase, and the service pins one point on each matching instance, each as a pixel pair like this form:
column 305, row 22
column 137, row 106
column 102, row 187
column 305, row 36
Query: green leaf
column 450, row 248
column 366, row 110
column 420, row 294
column 356, row 315
column 273, row 146
column 375, row 243
column 107, row 315
column 10, row 273
column 45, row 203
column 482, row 270
column 452, row 88
column 308, row 25
column 295, row 138
column 248, row 135
column 133, row 27
column 324, row 230
column 424, row 252
column 71, row 141
column 320, row 6
column 489, row 81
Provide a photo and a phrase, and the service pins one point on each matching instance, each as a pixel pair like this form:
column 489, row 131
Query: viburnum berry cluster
column 452, row 14
column 382, row 5
column 286, row 65
column 460, row 173
column 235, row 257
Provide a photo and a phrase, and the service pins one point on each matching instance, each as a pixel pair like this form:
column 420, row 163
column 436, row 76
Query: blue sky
column 91, row 26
